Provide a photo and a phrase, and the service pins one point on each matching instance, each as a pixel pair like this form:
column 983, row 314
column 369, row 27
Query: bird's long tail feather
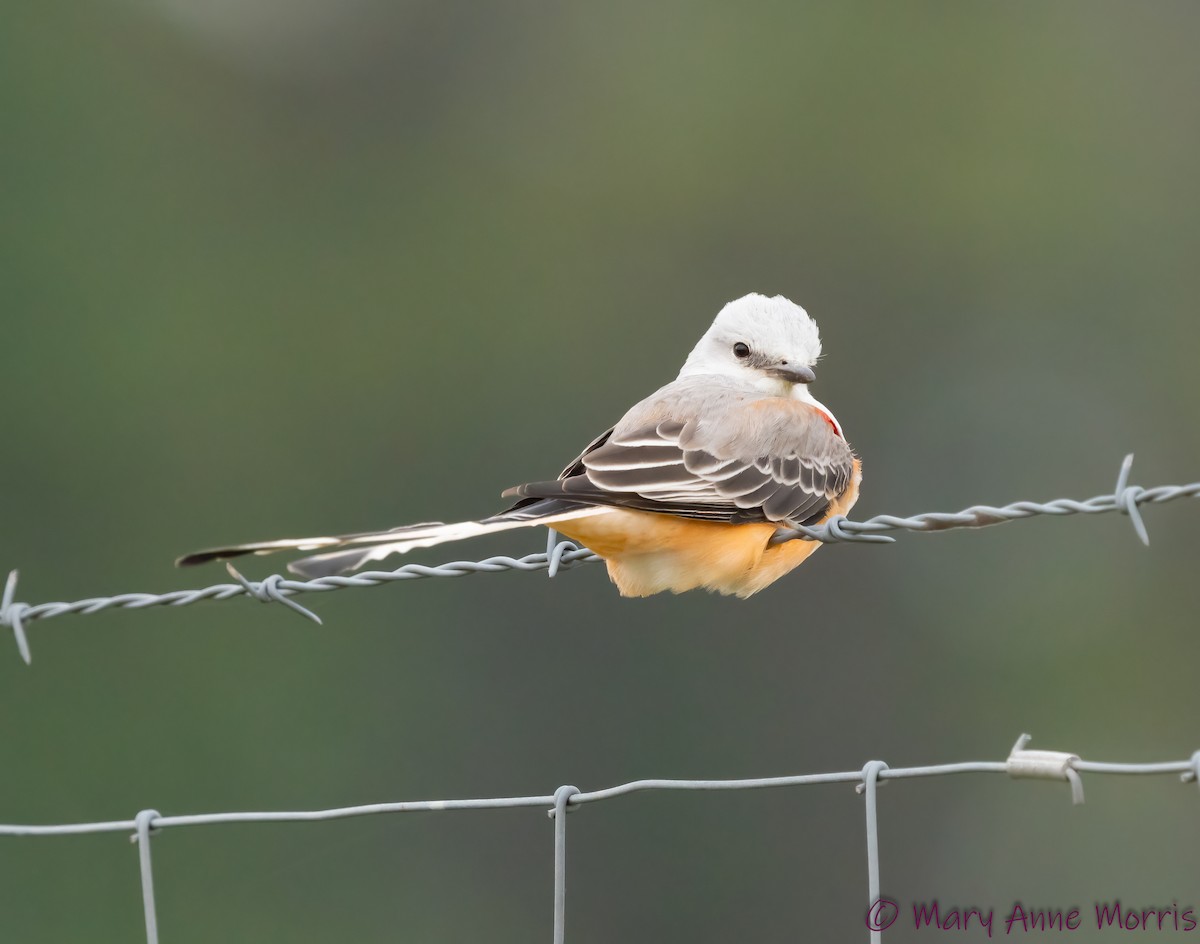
column 355, row 550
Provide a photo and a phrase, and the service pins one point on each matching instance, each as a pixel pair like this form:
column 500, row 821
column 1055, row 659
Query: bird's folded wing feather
column 766, row 459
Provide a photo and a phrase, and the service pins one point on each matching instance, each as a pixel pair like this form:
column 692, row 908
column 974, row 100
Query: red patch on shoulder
column 773, row 403
column 831, row 421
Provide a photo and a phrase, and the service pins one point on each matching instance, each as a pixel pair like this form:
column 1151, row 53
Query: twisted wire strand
column 563, row 555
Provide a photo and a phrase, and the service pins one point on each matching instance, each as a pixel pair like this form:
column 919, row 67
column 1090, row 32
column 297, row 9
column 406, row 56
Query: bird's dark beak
column 796, row 375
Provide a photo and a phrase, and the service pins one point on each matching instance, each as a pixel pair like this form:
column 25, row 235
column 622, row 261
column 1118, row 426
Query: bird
column 694, row 486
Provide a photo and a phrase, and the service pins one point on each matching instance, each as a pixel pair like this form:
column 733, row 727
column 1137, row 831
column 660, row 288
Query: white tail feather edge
column 352, row 558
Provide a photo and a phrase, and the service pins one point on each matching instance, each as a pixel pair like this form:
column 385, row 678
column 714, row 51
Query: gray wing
column 784, row 463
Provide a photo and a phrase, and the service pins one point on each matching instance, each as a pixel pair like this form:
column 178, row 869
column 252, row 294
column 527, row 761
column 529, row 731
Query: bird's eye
column 741, row 350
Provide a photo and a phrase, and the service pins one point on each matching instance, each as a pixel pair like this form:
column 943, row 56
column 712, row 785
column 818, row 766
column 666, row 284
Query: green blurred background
column 274, row 268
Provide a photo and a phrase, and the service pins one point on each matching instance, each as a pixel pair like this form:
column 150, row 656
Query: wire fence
column 1125, row 498
column 880, row 913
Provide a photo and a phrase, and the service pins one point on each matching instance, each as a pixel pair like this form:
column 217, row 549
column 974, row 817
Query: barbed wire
column 561, row 555
column 1021, row 763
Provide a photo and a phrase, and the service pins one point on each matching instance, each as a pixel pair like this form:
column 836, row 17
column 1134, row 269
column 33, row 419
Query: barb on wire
column 13, row 614
column 1020, row 763
column 562, row 555
column 267, row 590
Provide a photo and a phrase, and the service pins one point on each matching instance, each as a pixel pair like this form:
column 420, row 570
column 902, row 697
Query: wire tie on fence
column 872, row 769
column 562, row 797
column 144, row 822
column 267, row 590
column 12, row 615
column 1126, row 497
column 1194, row 774
column 1045, row 765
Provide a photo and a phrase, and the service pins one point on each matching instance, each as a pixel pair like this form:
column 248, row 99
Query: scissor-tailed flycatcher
column 688, row 489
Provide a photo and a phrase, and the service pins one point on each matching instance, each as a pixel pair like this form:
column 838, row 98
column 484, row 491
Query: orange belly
column 648, row 553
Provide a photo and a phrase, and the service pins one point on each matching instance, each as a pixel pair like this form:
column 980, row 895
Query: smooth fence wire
column 879, row 913
column 1125, row 498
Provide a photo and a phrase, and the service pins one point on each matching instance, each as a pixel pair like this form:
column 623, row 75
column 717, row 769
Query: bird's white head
column 768, row 343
